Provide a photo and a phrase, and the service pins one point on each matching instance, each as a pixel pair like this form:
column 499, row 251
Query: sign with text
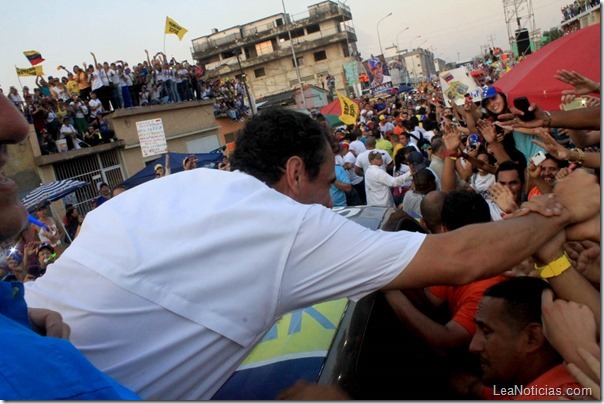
column 152, row 137
column 456, row 84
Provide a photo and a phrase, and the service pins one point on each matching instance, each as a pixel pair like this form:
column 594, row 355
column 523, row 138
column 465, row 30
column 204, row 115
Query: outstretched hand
column 582, row 85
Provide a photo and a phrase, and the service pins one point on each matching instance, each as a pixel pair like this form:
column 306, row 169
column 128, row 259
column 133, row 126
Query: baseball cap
column 489, row 92
column 382, row 117
column 344, row 144
column 157, row 166
column 374, row 62
column 417, row 159
column 43, row 246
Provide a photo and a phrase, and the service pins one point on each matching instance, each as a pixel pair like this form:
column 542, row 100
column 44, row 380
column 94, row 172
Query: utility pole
column 244, row 78
column 491, row 38
column 291, row 43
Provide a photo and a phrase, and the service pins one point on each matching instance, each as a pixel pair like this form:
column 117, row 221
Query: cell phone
column 538, row 158
column 574, row 104
column 523, row 104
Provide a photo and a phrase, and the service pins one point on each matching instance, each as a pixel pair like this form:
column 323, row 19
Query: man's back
column 168, row 298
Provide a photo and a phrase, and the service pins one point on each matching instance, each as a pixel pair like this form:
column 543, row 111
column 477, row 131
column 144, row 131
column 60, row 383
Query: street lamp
column 378, row 32
column 397, row 46
column 412, row 39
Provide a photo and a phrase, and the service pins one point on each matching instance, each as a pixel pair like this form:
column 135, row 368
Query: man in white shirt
column 378, row 182
column 362, row 162
column 94, row 106
column 168, row 297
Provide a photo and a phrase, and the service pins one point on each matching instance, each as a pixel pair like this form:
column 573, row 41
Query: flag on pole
column 34, row 57
column 173, row 28
column 350, row 110
column 30, row 71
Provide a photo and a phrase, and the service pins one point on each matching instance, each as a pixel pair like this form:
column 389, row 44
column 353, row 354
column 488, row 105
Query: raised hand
column 503, row 197
column 582, row 85
column 548, row 143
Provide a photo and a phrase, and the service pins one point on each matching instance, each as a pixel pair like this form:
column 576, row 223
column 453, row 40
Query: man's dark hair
column 424, row 181
column 522, row 297
column 510, row 166
column 271, row 137
column 462, row 208
column 409, row 125
column 561, row 163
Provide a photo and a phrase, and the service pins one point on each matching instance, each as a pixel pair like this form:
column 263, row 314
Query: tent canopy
column 148, row 173
column 534, row 76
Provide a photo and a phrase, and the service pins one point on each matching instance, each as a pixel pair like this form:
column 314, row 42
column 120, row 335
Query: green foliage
column 551, row 35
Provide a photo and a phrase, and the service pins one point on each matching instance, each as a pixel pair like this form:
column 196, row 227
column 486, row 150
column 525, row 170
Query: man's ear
column 292, row 177
column 534, row 338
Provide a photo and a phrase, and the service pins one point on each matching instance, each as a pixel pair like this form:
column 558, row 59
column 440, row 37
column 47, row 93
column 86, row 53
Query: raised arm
column 492, row 248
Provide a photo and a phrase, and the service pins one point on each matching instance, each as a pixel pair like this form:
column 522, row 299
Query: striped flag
column 448, row 77
column 34, row 57
column 173, row 28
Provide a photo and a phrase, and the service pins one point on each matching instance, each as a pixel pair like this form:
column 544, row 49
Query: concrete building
column 189, row 127
column 261, row 50
column 584, row 19
column 420, row 65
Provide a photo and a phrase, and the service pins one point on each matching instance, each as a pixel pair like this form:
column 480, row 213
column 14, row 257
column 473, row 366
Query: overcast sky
column 65, row 32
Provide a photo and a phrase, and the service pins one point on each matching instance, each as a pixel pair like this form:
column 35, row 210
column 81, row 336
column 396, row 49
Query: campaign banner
column 30, row 71
column 351, row 69
column 152, row 137
column 456, row 83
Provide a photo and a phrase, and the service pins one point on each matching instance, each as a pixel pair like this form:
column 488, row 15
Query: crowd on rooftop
column 84, row 95
column 577, row 7
column 171, row 284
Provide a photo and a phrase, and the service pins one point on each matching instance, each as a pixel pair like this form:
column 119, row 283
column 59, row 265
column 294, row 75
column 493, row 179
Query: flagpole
column 165, row 37
column 20, row 85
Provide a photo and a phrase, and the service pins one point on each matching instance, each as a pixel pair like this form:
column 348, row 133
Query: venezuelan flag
column 34, row 57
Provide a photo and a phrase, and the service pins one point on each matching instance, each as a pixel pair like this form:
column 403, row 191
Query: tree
column 551, row 35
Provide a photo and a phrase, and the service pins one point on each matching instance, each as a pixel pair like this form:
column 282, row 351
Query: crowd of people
column 577, row 7
column 508, row 208
column 452, row 166
column 84, row 95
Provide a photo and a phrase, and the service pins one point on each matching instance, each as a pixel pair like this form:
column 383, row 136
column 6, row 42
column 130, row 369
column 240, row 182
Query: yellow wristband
column 554, row 268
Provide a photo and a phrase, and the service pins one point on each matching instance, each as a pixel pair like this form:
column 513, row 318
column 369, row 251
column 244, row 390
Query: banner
column 351, row 69
column 456, row 83
column 152, row 137
column 34, row 57
column 173, row 28
column 30, row 71
column 350, row 110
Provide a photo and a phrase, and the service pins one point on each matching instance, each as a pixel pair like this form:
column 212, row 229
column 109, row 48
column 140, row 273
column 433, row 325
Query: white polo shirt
column 171, row 284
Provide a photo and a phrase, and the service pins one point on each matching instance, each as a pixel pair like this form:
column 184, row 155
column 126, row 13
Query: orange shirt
column 554, row 383
column 463, row 300
column 533, row 193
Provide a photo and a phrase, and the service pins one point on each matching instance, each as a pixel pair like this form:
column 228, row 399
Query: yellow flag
column 350, row 110
column 173, row 28
column 30, row 71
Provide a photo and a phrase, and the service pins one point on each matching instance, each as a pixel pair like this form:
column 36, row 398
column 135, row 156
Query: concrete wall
column 182, row 122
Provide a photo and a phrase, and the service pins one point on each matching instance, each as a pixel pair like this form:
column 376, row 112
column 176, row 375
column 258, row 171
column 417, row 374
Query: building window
column 311, row 29
column 297, row 33
column 279, row 21
column 264, row 48
column 321, row 55
column 259, row 72
column 300, row 60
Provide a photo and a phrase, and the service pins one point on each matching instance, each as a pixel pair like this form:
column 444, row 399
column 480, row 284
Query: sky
column 65, row 32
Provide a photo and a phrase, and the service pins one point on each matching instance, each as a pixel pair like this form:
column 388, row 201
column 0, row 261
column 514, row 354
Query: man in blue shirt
column 37, row 362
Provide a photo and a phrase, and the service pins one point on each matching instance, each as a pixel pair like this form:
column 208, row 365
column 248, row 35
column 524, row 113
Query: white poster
column 152, row 137
column 456, row 84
